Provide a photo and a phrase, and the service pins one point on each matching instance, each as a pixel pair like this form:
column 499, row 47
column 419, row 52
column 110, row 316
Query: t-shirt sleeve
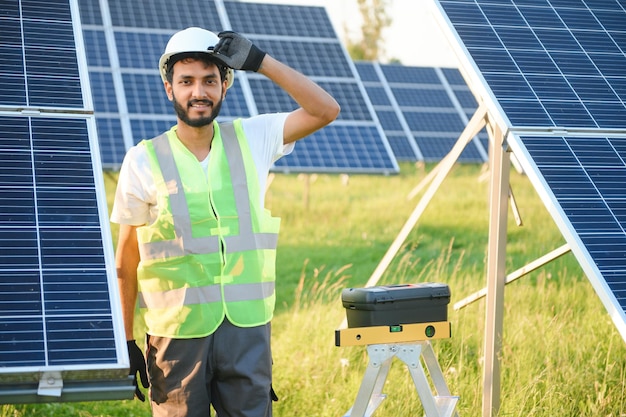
column 265, row 136
column 132, row 204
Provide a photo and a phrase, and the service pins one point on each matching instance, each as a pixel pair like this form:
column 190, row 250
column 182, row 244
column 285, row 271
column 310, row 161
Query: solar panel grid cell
column 111, row 146
column 410, row 75
column 435, row 146
column 389, row 120
column 149, row 128
column 104, row 100
column 377, row 95
column 428, row 97
column 96, row 48
column 401, row 147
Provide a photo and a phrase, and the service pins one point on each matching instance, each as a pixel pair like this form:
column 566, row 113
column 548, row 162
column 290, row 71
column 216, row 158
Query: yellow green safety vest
column 211, row 252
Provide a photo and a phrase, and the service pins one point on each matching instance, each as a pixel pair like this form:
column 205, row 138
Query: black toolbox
column 390, row 305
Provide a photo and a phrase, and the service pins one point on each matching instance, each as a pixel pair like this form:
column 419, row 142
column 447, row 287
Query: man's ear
column 168, row 90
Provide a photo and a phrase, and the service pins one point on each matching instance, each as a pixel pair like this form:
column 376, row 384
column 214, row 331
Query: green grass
column 561, row 356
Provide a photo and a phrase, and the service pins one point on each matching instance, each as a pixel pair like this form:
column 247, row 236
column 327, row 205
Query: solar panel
column 61, row 335
column 423, row 110
column 123, row 48
column 554, row 75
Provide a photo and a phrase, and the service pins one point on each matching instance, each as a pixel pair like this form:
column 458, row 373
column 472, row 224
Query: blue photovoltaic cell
column 110, row 144
column 104, row 100
column 145, row 128
column 548, row 63
column 96, row 48
column 38, row 69
column 389, row 121
column 300, row 36
column 410, row 75
column 562, row 64
column 433, row 121
column 90, row 13
column 278, row 20
column 53, row 280
column 454, row 78
column 422, row 97
column 378, row 95
column 400, row 145
column 163, row 14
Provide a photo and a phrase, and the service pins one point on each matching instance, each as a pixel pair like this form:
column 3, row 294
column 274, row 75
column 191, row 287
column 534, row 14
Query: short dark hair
column 196, row 56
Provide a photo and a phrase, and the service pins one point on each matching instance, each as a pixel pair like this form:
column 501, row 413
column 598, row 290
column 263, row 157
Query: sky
column 414, row 37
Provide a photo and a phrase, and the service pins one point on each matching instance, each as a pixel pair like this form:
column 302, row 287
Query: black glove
column 237, row 52
column 137, row 364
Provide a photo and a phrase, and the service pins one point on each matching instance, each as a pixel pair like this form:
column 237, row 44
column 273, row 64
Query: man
column 196, row 249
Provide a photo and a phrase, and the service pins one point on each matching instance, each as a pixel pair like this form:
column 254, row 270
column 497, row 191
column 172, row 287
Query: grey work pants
column 230, row 369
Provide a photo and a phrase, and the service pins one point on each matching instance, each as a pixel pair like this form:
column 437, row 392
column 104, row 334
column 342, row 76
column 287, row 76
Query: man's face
column 196, row 91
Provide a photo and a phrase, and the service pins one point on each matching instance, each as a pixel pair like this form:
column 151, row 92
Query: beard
column 183, row 113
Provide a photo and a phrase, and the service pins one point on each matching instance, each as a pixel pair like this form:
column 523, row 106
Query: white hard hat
column 192, row 39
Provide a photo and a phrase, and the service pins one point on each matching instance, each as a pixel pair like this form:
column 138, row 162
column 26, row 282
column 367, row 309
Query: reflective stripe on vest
column 209, row 294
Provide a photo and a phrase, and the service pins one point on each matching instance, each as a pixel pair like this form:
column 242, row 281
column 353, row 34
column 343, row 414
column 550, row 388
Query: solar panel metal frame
column 55, row 381
column 513, row 137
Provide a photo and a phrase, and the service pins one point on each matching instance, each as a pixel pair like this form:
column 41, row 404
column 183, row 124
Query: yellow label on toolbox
column 392, row 334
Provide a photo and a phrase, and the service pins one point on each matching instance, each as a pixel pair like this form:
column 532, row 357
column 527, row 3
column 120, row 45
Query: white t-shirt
column 135, row 197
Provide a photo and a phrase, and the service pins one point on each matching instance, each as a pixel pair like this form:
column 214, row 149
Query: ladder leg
column 369, row 395
column 436, row 375
column 410, row 355
column 442, row 404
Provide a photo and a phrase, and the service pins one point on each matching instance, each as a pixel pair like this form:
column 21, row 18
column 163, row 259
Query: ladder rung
column 446, row 404
column 371, row 406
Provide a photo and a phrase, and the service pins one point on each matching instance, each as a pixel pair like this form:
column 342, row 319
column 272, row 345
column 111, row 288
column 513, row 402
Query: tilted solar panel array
column 423, row 110
column 555, row 74
column 124, row 41
column 57, row 311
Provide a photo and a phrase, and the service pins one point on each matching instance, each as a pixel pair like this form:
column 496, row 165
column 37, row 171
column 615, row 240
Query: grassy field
column 561, row 356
